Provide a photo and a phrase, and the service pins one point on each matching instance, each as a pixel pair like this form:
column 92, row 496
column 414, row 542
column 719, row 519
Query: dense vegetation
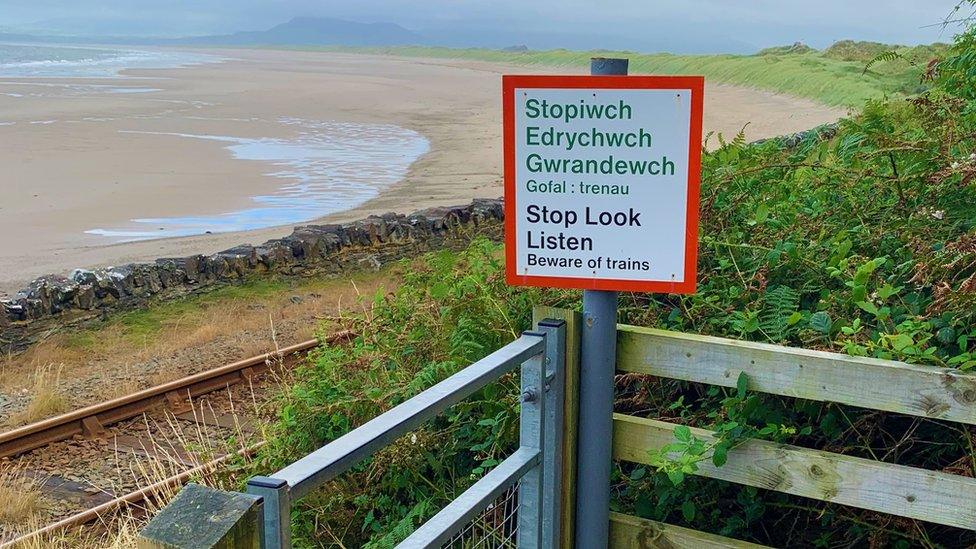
column 449, row 311
column 862, row 243
column 839, row 75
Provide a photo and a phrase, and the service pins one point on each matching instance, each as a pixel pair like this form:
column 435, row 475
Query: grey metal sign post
column 598, row 354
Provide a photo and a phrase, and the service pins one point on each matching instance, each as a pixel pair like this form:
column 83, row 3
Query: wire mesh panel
column 495, row 528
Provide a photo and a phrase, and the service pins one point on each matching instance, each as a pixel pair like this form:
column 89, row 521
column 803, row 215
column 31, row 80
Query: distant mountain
column 330, row 31
column 307, row 31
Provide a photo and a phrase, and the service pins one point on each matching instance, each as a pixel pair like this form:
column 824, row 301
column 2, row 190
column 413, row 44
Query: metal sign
column 601, row 181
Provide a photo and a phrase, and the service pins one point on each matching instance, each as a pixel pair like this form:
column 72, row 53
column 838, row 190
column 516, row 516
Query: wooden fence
column 922, row 391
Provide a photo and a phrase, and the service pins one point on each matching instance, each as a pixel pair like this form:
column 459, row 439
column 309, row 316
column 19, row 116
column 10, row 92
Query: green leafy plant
column 738, row 418
column 780, row 312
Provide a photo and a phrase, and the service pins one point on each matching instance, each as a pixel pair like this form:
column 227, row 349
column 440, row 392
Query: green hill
column 841, row 75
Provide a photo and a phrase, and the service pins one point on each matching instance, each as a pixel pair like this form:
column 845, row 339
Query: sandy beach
column 78, row 154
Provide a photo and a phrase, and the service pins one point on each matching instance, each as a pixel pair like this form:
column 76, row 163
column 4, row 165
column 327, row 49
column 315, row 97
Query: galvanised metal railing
column 533, row 467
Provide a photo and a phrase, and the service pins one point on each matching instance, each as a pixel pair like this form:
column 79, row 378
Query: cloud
column 676, row 25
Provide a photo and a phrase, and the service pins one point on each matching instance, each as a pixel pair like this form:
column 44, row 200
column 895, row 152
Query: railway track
column 107, row 425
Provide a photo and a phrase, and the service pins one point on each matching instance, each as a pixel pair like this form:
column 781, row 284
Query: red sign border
column 697, row 86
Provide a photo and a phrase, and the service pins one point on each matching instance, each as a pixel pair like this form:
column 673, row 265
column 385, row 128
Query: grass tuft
column 46, row 397
column 20, row 496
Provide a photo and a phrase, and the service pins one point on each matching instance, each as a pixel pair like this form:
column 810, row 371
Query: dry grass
column 53, row 350
column 20, row 495
column 254, row 324
column 119, row 530
column 119, row 533
column 256, row 318
column 46, row 396
column 202, row 334
column 166, row 436
column 253, row 319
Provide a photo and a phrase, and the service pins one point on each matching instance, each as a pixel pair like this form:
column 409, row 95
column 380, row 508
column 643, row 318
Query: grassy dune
column 835, row 76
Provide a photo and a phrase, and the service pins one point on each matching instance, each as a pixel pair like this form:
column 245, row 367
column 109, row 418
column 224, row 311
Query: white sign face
column 601, row 181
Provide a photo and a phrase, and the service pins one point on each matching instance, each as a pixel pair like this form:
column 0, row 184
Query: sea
column 58, row 61
column 328, row 167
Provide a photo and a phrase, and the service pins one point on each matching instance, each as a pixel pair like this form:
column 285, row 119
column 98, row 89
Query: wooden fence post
column 203, row 518
column 573, row 321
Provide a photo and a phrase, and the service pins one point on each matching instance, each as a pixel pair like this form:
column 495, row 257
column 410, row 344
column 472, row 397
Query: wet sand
column 76, row 167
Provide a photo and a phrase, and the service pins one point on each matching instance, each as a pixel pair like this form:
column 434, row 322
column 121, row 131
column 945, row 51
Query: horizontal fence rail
column 451, row 519
column 926, row 391
column 335, row 458
column 865, row 483
column 627, row 532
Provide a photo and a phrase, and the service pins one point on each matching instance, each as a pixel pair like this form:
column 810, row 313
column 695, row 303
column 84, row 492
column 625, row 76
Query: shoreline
column 454, row 104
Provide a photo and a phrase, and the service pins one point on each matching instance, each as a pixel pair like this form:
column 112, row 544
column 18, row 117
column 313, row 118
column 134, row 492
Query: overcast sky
column 641, row 25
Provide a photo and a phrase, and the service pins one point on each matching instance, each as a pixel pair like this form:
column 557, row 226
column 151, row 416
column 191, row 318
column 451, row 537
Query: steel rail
column 90, row 420
column 137, row 496
column 77, row 422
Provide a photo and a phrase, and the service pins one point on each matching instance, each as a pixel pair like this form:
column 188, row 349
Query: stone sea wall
column 51, row 303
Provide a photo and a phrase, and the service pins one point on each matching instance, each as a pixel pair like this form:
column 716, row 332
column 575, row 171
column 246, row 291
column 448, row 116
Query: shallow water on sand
column 330, row 167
